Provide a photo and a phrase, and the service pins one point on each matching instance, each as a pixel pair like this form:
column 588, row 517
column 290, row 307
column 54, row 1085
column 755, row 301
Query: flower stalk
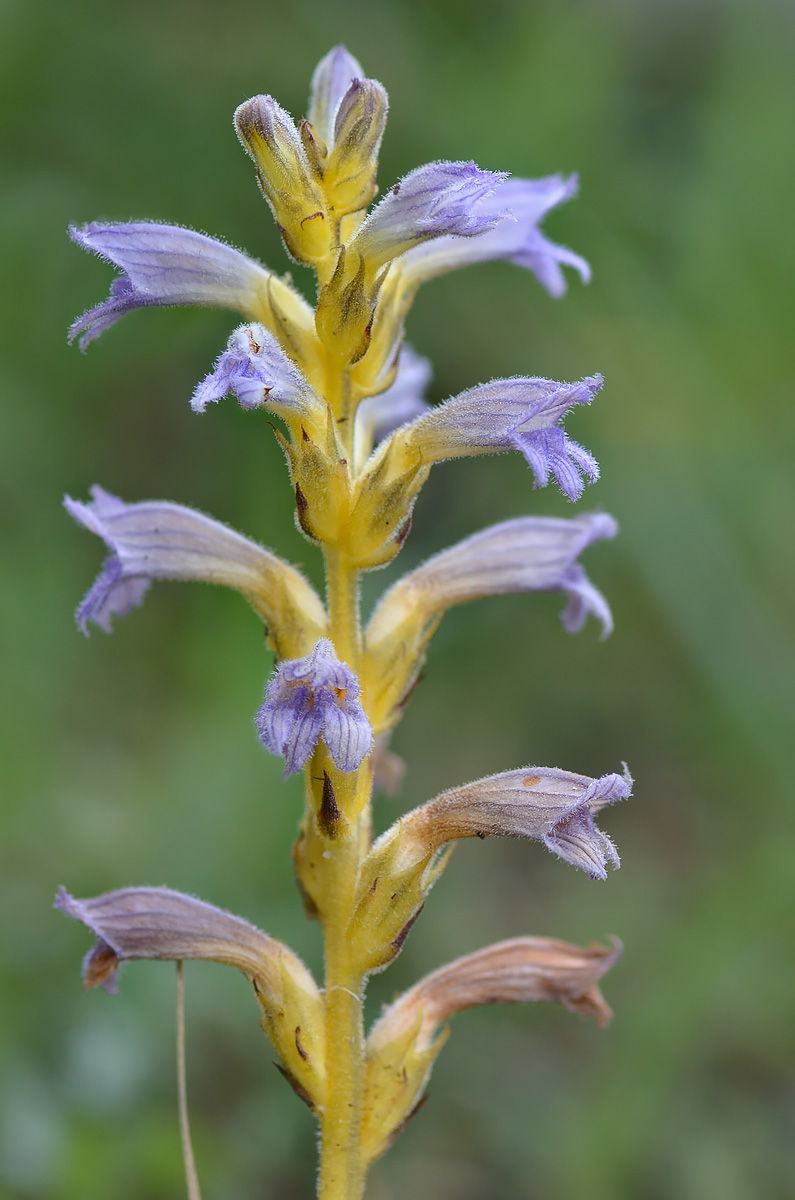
column 360, row 440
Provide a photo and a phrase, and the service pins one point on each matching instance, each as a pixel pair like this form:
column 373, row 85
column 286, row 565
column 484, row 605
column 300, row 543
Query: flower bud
column 349, row 177
column 268, row 134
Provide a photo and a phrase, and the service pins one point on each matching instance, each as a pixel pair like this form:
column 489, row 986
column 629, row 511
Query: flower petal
column 347, row 732
column 166, row 265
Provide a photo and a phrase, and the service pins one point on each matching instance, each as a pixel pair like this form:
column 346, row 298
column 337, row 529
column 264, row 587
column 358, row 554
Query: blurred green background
column 131, row 759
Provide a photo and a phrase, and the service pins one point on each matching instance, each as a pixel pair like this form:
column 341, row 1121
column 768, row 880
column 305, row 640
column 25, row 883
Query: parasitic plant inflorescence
column 360, row 440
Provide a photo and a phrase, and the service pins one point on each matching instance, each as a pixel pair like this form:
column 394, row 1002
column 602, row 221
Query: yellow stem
column 342, row 1164
column 342, row 588
column 342, row 1167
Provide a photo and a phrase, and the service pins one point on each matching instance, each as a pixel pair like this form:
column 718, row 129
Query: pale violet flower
column 552, row 806
column 158, row 923
column 159, row 540
column 313, row 697
column 512, row 414
column 433, row 201
column 528, row 554
column 519, row 205
column 256, row 370
column 166, row 265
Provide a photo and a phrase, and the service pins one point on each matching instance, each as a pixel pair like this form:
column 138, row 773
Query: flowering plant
column 360, row 441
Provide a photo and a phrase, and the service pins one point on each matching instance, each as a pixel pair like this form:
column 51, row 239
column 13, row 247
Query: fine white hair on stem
column 191, row 1178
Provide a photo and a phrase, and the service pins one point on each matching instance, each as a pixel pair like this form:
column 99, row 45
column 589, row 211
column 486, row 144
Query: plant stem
column 342, row 1168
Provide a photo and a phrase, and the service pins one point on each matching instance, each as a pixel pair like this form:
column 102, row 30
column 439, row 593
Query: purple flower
column 402, row 401
column 332, row 79
column 552, row 806
column 158, row 540
column 255, row 368
column 313, row 697
column 528, row 554
column 158, row 923
column 523, row 203
column 512, row 414
column 430, row 202
column 167, row 265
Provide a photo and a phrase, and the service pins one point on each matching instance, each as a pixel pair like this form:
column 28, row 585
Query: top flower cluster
column 319, row 178
column 422, row 219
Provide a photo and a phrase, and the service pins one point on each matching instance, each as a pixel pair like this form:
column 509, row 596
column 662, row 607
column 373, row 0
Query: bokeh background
column 132, row 759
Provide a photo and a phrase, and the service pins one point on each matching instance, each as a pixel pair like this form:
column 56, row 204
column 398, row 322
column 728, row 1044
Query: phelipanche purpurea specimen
column 360, row 440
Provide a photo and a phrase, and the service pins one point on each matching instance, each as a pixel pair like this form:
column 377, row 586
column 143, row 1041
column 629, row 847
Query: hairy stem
column 342, row 1165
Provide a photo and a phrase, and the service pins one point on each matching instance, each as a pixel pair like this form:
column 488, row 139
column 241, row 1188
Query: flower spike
column 313, row 697
column 360, row 442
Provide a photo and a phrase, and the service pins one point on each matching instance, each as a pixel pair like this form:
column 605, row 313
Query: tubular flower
column 543, row 803
column 168, row 265
column 158, row 540
column 520, row 205
column 528, row 554
column 313, row 697
column 512, row 414
column 158, row 923
column 434, row 201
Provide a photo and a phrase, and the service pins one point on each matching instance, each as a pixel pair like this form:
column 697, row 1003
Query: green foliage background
column 132, row 759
